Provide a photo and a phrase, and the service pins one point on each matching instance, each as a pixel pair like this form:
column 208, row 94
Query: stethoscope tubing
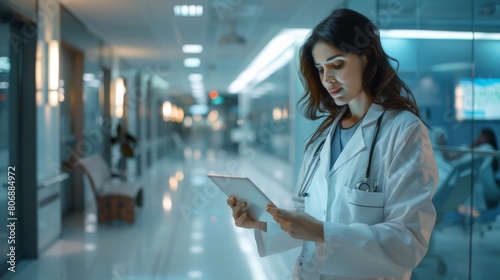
column 316, row 159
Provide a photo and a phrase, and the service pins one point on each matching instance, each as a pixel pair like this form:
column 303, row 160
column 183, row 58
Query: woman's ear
column 364, row 60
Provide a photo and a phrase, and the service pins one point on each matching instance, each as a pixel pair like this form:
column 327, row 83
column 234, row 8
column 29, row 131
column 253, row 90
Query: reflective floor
column 185, row 231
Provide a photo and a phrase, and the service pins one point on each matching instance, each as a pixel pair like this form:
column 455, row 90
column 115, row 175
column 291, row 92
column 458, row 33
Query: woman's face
column 340, row 73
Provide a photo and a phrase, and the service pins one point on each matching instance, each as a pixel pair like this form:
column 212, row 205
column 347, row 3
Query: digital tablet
column 245, row 190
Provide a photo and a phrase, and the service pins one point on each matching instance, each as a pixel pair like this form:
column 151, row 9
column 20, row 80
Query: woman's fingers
column 240, row 215
column 231, row 201
column 239, row 209
column 279, row 213
column 240, row 221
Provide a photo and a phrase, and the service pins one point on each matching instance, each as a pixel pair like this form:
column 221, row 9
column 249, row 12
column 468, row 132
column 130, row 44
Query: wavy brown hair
column 350, row 32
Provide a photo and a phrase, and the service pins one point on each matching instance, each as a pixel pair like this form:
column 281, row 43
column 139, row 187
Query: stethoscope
column 313, row 166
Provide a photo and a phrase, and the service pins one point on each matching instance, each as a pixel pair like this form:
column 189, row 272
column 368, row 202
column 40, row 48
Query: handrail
column 53, row 180
column 467, row 150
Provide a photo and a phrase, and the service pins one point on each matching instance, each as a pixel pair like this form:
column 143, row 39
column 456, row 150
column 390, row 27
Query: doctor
column 364, row 194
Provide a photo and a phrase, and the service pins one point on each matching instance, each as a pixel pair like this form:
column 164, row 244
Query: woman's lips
column 334, row 91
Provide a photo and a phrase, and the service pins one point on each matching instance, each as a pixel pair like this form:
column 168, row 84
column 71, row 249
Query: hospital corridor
column 185, row 231
column 113, row 113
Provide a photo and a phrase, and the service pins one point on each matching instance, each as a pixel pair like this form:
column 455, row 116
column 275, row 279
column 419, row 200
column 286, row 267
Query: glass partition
column 268, row 118
column 483, row 95
column 454, row 78
column 4, row 131
column 448, row 53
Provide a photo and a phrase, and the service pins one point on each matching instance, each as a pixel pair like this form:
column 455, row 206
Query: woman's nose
column 328, row 78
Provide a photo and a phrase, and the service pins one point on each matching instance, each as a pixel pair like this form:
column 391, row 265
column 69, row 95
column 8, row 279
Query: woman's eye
column 321, row 70
column 339, row 65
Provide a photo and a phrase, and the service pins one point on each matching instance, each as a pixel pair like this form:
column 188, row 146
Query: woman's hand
column 240, row 215
column 298, row 224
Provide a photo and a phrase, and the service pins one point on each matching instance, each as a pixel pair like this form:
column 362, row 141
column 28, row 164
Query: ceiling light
column 4, row 64
column 271, row 53
column 486, row 36
column 192, row 48
column 198, row 86
column 188, row 10
column 195, row 77
column 275, row 55
column 437, row 34
column 198, row 92
column 192, row 62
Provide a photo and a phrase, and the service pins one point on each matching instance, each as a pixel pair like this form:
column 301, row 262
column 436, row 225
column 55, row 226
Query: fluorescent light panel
column 198, row 91
column 272, row 56
column 198, row 86
column 192, row 48
column 437, row 34
column 188, row 10
column 267, row 57
column 192, row 62
column 195, row 77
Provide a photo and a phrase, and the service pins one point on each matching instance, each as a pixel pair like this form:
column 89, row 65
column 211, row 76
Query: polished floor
column 185, row 231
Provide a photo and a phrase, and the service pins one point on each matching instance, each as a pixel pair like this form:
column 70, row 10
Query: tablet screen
column 245, row 190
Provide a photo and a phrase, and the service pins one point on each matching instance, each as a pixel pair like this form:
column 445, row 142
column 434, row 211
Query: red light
column 213, row 94
column 3, row 96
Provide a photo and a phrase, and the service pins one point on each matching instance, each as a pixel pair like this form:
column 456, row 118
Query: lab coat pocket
column 364, row 207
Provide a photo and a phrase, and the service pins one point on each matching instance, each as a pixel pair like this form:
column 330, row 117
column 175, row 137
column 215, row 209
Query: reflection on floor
column 185, row 231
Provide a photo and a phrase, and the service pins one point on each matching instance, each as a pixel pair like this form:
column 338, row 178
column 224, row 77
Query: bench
column 116, row 198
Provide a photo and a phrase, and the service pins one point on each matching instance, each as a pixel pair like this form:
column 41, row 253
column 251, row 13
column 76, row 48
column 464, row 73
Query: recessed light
column 195, row 274
column 198, row 87
column 192, row 48
column 188, row 10
column 192, row 62
column 196, row 249
column 195, row 77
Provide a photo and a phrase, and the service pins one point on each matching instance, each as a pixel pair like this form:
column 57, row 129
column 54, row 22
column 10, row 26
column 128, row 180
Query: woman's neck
column 357, row 110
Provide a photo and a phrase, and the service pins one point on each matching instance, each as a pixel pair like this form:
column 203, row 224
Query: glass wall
column 454, row 79
column 448, row 53
column 4, row 131
column 268, row 120
column 455, row 82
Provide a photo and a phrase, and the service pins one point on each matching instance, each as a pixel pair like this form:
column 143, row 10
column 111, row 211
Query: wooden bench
column 116, row 198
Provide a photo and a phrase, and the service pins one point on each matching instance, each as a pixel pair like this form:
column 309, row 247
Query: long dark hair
column 351, row 32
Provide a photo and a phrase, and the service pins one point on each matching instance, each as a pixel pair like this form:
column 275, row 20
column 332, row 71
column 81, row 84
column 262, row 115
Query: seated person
column 486, row 190
column 438, row 138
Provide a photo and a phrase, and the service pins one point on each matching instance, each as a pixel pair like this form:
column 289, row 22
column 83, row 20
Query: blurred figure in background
column 486, row 188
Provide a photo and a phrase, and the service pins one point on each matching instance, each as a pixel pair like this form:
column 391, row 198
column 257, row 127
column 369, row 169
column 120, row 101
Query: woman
column 349, row 226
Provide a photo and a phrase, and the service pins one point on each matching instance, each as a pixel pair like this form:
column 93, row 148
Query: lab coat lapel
column 320, row 178
column 357, row 143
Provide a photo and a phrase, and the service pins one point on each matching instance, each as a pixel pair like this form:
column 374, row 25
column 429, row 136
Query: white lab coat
column 368, row 235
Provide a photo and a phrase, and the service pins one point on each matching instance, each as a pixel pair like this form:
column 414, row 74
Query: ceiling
column 146, row 35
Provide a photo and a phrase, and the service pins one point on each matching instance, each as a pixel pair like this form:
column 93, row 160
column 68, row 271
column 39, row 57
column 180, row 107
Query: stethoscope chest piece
column 367, row 187
column 364, row 186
